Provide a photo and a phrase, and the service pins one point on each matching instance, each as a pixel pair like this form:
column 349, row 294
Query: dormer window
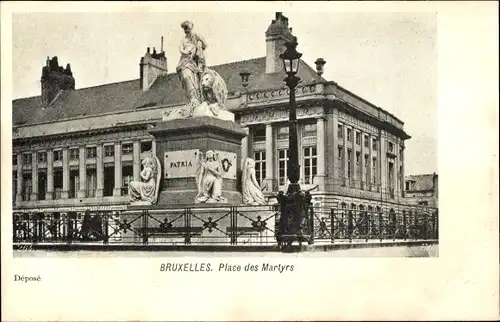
column 409, row 184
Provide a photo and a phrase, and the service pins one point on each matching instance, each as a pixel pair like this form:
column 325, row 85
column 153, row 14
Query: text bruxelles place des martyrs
column 225, row 267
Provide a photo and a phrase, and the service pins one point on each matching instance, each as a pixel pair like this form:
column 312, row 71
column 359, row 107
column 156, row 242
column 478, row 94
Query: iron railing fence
column 338, row 224
column 219, row 225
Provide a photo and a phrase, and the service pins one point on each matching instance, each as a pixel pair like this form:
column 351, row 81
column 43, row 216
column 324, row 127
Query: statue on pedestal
column 209, row 180
column 252, row 194
column 200, row 83
column 145, row 192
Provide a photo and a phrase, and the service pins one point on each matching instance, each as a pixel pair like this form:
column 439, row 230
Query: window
column 423, row 203
column 14, row 185
column 74, row 154
column 391, row 147
column 91, row 152
column 109, row 150
column 390, row 175
column 310, row 164
column 349, row 160
column 340, row 131
column 374, row 145
column 367, row 141
column 309, row 130
column 358, row 157
column 367, row 175
column 27, row 187
column 27, row 158
column 340, row 152
column 283, row 133
column 146, row 146
column 407, row 183
column 374, row 170
column 14, row 159
column 42, row 156
column 349, row 135
column 126, row 182
column 400, row 176
column 282, row 166
column 358, row 138
column 259, row 134
column 91, row 183
column 58, row 183
column 260, row 166
column 127, row 148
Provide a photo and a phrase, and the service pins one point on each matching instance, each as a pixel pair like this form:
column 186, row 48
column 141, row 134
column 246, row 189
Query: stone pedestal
column 180, row 145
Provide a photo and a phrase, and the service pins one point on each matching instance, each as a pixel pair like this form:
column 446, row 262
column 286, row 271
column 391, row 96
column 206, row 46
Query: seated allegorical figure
column 146, row 190
column 209, row 180
column 252, row 194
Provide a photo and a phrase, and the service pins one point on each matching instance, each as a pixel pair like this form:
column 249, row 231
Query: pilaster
column 320, row 153
column 19, row 194
column 99, row 171
column 34, row 176
column 117, row 191
column 50, row 176
column 137, row 160
column 65, row 166
column 270, row 180
column 82, row 191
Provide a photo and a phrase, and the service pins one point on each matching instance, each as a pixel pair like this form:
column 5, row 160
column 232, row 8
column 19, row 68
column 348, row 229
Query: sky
column 389, row 59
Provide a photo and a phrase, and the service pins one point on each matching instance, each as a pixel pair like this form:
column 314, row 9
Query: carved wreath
column 226, row 164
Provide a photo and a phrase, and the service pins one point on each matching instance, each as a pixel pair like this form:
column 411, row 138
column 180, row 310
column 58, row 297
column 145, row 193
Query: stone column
column 346, row 148
column 82, row 192
column 117, row 191
column 65, row 166
column 269, row 181
column 50, row 176
column 153, row 147
column 137, row 160
column 34, row 176
column 402, row 159
column 100, row 171
column 320, row 153
column 244, row 147
column 382, row 177
column 19, row 194
column 370, row 158
column 362, row 161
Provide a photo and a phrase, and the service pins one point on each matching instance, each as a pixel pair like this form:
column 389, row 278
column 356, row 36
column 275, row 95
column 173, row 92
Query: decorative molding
column 278, row 115
column 280, row 93
column 309, row 141
column 70, row 140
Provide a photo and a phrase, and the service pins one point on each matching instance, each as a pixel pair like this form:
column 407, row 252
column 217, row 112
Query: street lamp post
column 293, row 202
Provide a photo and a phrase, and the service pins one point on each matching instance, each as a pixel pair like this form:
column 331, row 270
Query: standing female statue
column 146, row 190
column 210, row 180
column 252, row 195
column 192, row 63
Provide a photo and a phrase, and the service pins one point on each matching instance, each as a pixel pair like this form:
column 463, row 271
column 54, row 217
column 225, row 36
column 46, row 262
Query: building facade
column 78, row 149
column 422, row 190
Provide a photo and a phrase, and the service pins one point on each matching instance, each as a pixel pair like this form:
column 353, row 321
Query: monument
column 199, row 143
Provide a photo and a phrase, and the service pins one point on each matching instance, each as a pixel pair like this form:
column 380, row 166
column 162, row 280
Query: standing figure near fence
column 252, row 194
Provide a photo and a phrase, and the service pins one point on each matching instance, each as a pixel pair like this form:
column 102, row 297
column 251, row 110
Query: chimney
column 320, row 63
column 435, row 184
column 55, row 79
column 151, row 66
column 277, row 34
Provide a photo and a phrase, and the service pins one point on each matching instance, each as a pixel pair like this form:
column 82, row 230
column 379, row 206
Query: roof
column 127, row 96
column 422, row 181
